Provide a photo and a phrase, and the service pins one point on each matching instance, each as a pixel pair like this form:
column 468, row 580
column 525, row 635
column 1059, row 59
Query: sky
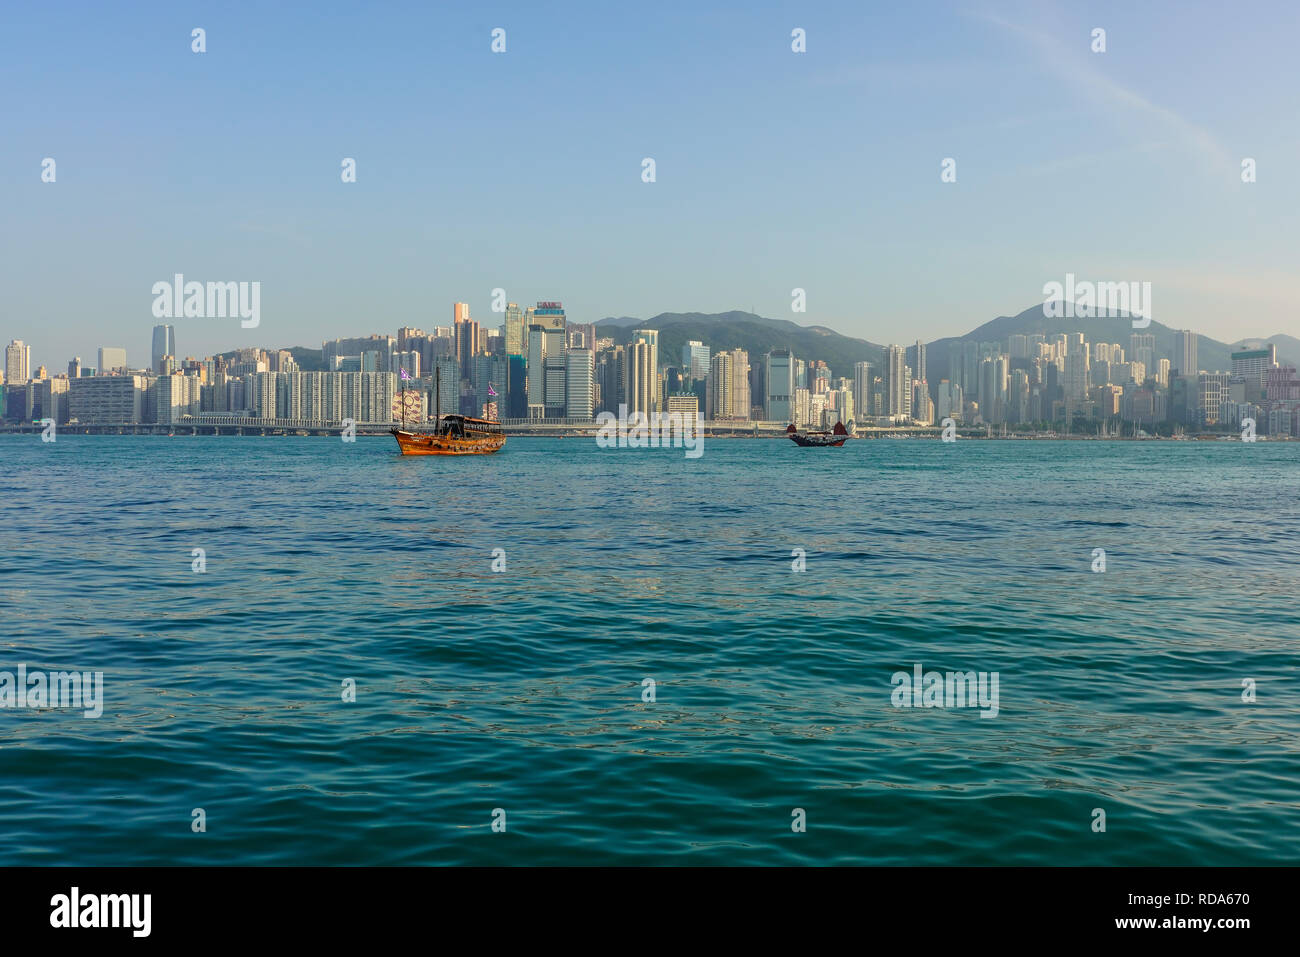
column 522, row 170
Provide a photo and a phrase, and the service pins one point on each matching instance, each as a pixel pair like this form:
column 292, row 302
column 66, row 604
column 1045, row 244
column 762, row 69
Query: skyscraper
column 739, row 384
column 640, row 378
column 780, row 385
column 718, row 391
column 164, row 344
column 18, row 362
column 897, row 387
column 467, row 343
column 1185, row 352
column 695, row 360
column 651, row 338
column 580, row 387
column 516, row 333
column 862, row 389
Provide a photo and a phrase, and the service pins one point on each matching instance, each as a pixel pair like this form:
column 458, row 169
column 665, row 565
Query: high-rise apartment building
column 651, row 338
column 641, row 379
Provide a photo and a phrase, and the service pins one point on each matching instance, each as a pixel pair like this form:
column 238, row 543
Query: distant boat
column 833, row 439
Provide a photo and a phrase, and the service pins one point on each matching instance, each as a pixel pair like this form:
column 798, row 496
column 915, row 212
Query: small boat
column 835, row 438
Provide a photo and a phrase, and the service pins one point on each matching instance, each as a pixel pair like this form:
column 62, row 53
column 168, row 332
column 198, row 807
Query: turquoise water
column 522, row 689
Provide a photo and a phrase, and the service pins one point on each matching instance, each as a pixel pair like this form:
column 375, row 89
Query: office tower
column 686, row 406
column 74, row 368
column 164, row 344
column 516, row 388
column 111, row 360
column 1211, row 391
column 459, row 313
column 580, row 384
column 779, row 373
column 1185, row 352
column 516, row 332
column 897, row 386
column 106, row 400
column 695, row 360
column 554, row 389
column 18, row 362
column 1254, row 364
column 651, row 338
column 548, row 315
column 536, row 368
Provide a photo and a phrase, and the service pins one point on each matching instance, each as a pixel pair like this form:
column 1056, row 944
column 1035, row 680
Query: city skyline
column 145, row 341
column 540, row 370
column 477, row 170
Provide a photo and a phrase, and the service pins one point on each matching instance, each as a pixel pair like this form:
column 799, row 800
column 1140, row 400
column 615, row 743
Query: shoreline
column 154, row 431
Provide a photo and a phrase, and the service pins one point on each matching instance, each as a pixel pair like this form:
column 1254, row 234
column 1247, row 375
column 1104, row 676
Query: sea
column 322, row 652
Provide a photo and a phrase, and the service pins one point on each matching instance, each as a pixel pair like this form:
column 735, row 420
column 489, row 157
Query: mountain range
column 758, row 334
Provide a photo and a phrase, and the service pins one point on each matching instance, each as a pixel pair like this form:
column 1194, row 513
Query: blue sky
column 522, row 170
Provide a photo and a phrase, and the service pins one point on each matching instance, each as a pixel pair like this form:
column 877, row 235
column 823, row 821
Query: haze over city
column 522, row 170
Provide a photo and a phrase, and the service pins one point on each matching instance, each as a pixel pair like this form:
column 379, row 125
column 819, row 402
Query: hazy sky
column 522, row 170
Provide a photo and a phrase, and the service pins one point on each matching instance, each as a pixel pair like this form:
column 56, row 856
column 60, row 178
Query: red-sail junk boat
column 835, row 438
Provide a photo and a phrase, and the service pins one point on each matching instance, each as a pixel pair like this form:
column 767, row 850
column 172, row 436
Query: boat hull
column 817, row 441
column 425, row 443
